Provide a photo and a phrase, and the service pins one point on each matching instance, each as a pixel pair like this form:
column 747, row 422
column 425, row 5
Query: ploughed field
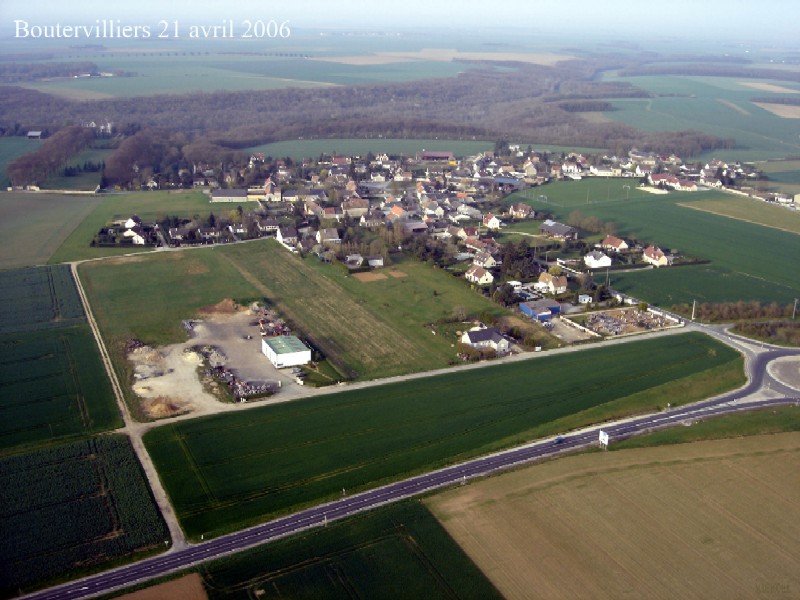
column 229, row 471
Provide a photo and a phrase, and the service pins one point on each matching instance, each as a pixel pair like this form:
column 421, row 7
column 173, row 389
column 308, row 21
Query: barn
column 285, row 351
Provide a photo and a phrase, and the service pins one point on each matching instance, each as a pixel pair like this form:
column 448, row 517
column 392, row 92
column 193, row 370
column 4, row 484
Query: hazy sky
column 764, row 19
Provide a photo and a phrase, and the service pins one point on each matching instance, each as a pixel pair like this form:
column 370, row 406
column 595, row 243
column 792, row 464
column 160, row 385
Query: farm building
column 541, row 310
column 487, row 337
column 285, row 351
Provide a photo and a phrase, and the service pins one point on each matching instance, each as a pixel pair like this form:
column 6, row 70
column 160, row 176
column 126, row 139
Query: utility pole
column 694, row 304
column 794, row 309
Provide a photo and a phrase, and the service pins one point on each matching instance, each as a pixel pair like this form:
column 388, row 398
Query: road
column 761, row 391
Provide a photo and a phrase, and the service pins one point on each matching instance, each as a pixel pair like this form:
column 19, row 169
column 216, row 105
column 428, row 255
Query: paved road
column 739, row 400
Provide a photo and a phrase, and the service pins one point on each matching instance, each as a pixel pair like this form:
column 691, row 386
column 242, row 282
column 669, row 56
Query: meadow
column 716, row 105
column 783, row 175
column 367, row 330
column 392, row 552
column 753, row 211
column 723, row 514
column 73, row 509
column 88, row 180
column 748, row 261
column 12, row 148
column 277, row 459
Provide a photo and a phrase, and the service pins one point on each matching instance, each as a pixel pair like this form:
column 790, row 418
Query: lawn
column 705, row 520
column 400, row 551
column 748, row 261
column 150, row 206
column 73, row 509
column 277, row 459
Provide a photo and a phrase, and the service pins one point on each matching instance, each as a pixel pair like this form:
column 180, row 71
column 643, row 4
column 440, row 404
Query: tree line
column 51, row 156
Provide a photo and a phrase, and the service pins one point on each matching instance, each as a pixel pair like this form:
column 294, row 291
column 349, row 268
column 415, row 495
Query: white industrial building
column 285, row 351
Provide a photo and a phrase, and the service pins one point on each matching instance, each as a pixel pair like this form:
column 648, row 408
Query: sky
column 766, row 19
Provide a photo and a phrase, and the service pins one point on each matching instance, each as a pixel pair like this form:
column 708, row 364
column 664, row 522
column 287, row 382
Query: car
column 559, row 440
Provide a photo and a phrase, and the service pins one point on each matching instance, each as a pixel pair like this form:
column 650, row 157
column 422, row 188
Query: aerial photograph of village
column 376, row 300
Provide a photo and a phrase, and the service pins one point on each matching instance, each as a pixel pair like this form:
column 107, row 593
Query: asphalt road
column 349, row 505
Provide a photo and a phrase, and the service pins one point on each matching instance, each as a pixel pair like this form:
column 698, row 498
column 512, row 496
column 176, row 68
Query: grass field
column 367, row 329
column 12, row 148
column 150, row 206
column 399, row 551
column 752, row 211
column 52, row 382
column 88, row 180
column 710, row 520
column 784, row 175
column 735, row 248
column 73, row 509
column 33, row 226
column 280, row 458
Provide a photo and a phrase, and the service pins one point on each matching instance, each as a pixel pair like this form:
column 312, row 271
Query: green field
column 400, row 551
column 88, row 181
column 755, row 211
column 150, row 206
column 738, row 251
column 367, row 329
column 73, row 509
column 784, row 175
column 12, row 148
column 223, row 473
column 52, row 383
column 715, row 105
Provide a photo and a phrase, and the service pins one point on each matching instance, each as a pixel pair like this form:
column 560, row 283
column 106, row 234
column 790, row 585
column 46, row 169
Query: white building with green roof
column 285, row 351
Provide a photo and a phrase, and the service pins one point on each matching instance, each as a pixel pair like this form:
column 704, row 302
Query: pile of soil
column 226, row 306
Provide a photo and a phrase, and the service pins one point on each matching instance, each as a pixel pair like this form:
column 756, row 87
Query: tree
column 555, row 270
column 504, row 295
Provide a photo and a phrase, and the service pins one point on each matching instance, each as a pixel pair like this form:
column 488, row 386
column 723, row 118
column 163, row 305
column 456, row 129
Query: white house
column 611, row 242
column 597, row 260
column 478, row 275
column 655, row 256
column 485, row 260
column 551, row 283
column 486, row 337
column 491, row 222
column 285, row 351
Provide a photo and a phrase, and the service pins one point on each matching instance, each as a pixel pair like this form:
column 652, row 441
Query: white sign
column 603, row 438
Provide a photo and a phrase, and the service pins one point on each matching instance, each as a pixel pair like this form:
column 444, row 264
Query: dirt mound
column 158, row 408
column 226, row 306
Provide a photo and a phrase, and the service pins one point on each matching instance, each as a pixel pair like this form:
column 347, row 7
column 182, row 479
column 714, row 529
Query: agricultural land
column 738, row 269
column 355, row 439
column 72, row 509
column 750, row 211
column 723, row 513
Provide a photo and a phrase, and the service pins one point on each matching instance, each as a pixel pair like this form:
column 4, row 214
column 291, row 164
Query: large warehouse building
column 285, row 351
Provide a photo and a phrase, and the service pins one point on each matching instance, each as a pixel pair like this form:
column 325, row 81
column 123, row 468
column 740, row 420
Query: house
column 486, row 338
column 655, row 256
column 614, row 243
column 328, row 236
column 287, row 236
column 597, row 260
column 478, row 275
column 584, row 299
column 558, row 231
column 551, row 284
column 285, row 351
column 267, row 225
column 491, row 222
column 373, row 218
column 541, row 310
column 485, row 260
column 355, row 207
column 521, row 211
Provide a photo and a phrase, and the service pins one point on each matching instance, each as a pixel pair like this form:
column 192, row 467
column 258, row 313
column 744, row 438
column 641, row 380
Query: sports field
column 750, row 211
column 735, row 248
column 52, row 383
column 705, row 520
column 72, row 509
column 225, row 472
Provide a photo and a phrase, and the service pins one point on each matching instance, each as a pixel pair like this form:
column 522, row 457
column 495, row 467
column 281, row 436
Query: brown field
column 370, row 276
column 768, row 87
column 785, row 111
column 750, row 211
column 398, row 274
column 716, row 519
column 733, row 107
column 189, row 587
column 596, row 117
column 447, row 55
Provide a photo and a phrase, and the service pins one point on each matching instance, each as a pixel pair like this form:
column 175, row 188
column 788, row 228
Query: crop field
column 225, row 472
column 150, row 206
column 752, row 211
column 367, row 331
column 52, row 383
column 735, row 248
column 717, row 105
column 73, row 509
column 12, row 148
column 710, row 520
column 400, row 551
column 784, row 175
